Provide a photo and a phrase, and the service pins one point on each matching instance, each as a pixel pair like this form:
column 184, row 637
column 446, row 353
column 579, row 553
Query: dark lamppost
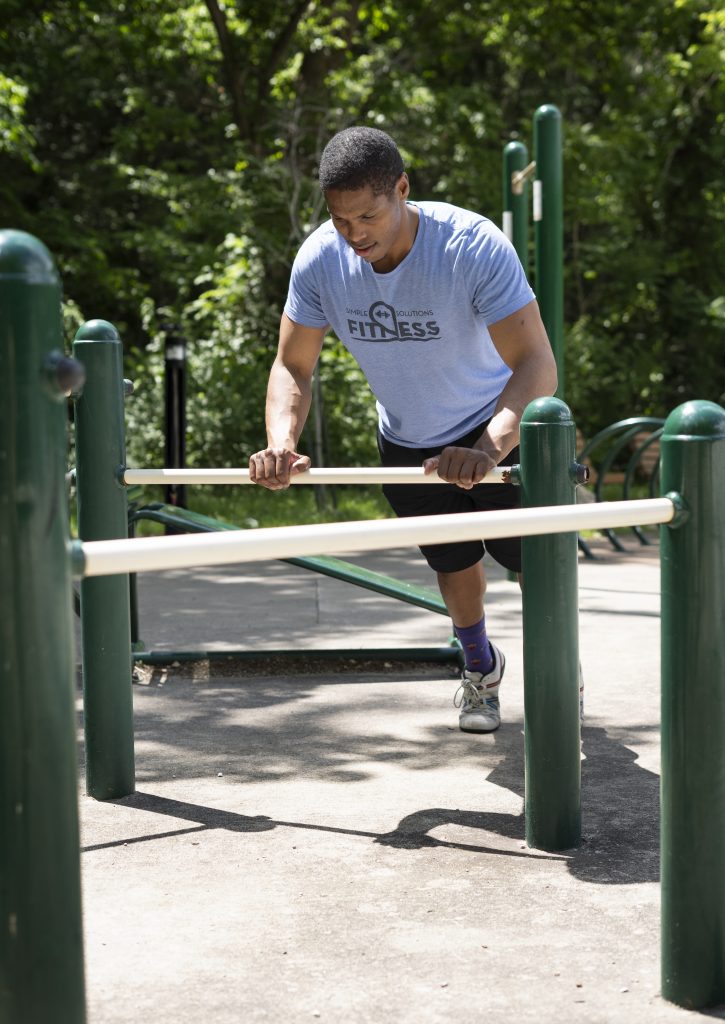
column 175, row 409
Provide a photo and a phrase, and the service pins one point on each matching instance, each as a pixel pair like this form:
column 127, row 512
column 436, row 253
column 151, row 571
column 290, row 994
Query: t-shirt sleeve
column 304, row 304
column 498, row 283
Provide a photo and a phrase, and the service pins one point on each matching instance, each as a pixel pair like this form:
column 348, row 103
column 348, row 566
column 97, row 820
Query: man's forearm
column 534, row 378
column 289, row 396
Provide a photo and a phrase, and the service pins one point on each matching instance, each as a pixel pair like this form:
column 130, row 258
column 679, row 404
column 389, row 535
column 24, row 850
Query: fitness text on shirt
column 383, row 323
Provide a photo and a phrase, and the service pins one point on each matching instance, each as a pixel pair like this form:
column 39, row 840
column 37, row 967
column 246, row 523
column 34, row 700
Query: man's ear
column 403, row 186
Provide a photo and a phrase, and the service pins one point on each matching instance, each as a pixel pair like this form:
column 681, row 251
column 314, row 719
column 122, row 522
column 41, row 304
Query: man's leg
column 463, row 592
column 462, row 589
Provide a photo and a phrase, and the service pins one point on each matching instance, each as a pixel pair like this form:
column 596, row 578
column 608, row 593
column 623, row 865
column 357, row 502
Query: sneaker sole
column 482, row 732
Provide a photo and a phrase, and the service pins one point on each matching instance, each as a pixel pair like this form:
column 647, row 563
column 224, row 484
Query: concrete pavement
column 329, row 846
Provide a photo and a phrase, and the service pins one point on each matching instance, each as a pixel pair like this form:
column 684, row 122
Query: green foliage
column 15, row 136
column 166, row 153
column 349, row 406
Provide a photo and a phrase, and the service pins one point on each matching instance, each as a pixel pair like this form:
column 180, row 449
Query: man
column 433, row 303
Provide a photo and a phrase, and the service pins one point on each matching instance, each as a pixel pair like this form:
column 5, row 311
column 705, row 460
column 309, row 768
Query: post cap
column 547, row 112
column 695, row 421
column 97, row 330
column 515, row 147
column 24, row 258
column 547, row 410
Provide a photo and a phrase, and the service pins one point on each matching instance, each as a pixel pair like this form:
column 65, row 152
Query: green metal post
column 551, row 639
column 693, row 708
column 102, row 515
column 549, row 230
column 41, row 945
column 136, row 641
column 515, row 221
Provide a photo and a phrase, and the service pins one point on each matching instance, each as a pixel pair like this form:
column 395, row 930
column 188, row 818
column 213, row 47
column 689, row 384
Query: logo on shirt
column 383, row 322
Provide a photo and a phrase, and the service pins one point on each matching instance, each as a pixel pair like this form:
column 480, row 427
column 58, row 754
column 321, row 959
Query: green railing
column 604, row 450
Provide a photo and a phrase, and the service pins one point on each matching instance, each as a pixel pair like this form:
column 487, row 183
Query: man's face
column 375, row 226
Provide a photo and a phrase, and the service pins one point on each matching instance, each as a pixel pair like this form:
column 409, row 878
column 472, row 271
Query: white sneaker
column 477, row 697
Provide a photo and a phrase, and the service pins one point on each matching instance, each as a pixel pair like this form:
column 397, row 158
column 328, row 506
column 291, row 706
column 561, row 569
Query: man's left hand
column 461, row 466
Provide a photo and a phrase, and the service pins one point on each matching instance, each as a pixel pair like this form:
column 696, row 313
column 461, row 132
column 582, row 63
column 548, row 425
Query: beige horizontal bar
column 105, row 557
column 355, row 475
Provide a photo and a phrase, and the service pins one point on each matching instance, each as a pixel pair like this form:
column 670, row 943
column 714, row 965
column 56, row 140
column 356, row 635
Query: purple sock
column 476, row 648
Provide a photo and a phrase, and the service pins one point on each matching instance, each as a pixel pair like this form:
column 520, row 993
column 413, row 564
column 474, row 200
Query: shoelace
column 468, row 693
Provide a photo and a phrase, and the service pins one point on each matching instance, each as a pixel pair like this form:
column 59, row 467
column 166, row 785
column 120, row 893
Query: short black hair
column 358, row 157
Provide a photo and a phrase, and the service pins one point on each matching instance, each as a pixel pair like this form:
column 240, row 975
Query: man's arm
column 522, row 343
column 289, row 393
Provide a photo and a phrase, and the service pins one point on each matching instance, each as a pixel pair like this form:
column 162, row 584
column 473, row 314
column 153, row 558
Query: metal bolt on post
column 41, row 946
column 103, row 515
column 693, row 708
column 551, row 634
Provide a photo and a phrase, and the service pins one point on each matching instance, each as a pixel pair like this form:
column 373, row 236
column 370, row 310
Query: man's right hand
column 273, row 467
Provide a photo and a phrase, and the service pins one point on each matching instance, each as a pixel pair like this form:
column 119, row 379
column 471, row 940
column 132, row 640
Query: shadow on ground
column 214, row 733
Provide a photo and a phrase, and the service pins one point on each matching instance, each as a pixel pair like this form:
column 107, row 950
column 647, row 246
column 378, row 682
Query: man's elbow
column 548, row 373
column 553, row 380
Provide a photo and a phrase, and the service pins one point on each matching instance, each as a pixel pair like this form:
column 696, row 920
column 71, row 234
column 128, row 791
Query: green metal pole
column 136, row 641
column 551, row 639
column 102, row 515
column 515, row 220
column 693, row 708
column 41, row 945
column 549, row 230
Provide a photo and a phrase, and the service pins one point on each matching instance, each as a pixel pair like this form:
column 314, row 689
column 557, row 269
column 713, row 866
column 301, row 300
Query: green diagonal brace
column 337, row 568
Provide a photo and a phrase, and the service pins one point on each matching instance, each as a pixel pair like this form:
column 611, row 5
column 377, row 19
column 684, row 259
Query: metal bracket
column 519, row 178
column 682, row 512
column 77, row 559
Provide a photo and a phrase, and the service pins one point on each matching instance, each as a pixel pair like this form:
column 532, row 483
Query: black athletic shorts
column 440, row 499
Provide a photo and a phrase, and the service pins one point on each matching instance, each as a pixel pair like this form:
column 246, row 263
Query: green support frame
column 41, row 944
column 41, row 955
column 551, row 634
column 105, row 602
column 546, row 169
column 693, row 708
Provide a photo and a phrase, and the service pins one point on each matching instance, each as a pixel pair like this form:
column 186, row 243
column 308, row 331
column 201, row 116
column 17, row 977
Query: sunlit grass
column 252, row 506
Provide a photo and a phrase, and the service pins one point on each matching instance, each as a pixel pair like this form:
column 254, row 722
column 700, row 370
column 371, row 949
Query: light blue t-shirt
column 420, row 332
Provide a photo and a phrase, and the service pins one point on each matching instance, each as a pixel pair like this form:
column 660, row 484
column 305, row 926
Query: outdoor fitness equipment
column 547, row 174
column 41, row 963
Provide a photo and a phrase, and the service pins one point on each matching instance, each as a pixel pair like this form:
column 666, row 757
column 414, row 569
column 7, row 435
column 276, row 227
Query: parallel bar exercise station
column 41, row 956
column 182, row 520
